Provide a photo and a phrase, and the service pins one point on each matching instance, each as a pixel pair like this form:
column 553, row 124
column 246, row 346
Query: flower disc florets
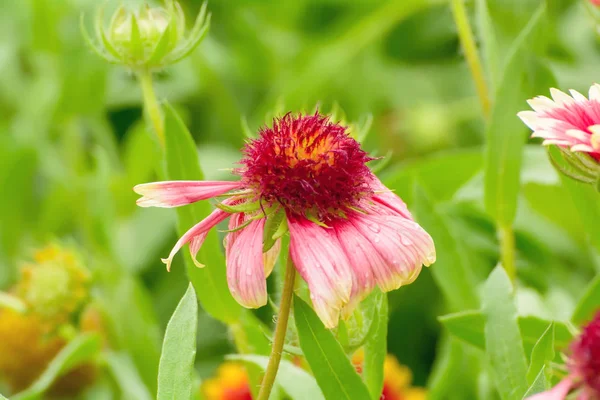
column 309, row 165
column 585, row 360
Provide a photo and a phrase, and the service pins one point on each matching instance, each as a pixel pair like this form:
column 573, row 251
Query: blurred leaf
column 539, row 384
column 176, row 368
column 451, row 271
column 504, row 345
column 453, row 357
column 541, row 355
column 296, row 382
column 469, row 327
column 2, row 397
column 81, row 349
column 125, row 374
column 333, row 371
column 210, row 282
column 505, row 132
column 588, row 304
column 376, row 347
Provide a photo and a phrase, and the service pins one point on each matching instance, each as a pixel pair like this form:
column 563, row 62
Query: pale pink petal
column 178, row 193
column 401, row 245
column 271, row 256
column 385, row 197
column 196, row 235
column 558, row 392
column 245, row 267
column 322, row 263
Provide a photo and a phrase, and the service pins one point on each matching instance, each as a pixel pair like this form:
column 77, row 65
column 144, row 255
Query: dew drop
column 248, row 272
column 405, row 240
column 374, row 227
column 430, row 258
column 376, row 239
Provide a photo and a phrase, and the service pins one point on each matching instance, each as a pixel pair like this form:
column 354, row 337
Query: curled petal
column 401, row 248
column 322, row 263
column 245, row 267
column 178, row 193
column 195, row 236
column 558, row 392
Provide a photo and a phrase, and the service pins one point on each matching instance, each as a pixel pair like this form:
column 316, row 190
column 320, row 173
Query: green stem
column 507, row 244
column 465, row 33
column 280, row 331
column 151, row 105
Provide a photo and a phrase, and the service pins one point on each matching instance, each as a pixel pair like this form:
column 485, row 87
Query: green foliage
column 376, row 347
column 176, row 368
column 333, row 371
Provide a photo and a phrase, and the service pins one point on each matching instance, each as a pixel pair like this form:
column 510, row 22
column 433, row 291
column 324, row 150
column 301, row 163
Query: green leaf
column 176, row 367
column 506, row 134
column 295, row 382
column 376, row 348
column 540, row 384
column 135, row 41
column 333, row 371
column 81, row 349
column 588, row 304
column 502, row 336
column 126, row 376
column 451, row 271
column 162, row 47
column 273, row 227
column 542, row 354
column 210, row 282
column 469, row 327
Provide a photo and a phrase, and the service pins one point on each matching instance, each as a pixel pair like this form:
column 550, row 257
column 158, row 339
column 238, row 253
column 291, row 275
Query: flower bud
column 576, row 165
column 148, row 39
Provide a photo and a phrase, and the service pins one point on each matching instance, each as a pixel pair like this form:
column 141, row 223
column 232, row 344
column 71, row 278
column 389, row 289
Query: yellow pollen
column 303, row 150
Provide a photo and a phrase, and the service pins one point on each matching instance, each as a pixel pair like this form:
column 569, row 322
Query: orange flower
column 397, row 379
column 230, row 383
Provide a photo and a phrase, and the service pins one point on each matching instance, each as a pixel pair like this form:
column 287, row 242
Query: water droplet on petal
column 374, row 227
column 248, row 271
column 405, row 240
column 376, row 239
column 430, row 258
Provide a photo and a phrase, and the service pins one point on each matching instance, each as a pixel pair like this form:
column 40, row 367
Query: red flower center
column 585, row 360
column 307, row 164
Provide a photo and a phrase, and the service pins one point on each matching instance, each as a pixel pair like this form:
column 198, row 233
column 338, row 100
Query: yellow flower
column 55, row 286
column 230, row 383
column 397, row 379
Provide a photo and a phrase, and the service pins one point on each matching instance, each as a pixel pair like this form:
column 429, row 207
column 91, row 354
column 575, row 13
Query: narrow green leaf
column 376, row 348
column 542, row 354
column 90, row 43
column 588, row 304
column 506, row 134
column 135, row 40
column 539, row 384
column 101, row 33
column 176, row 367
column 79, row 350
column 502, row 336
column 162, row 47
column 123, row 371
column 2, row 397
column 210, row 282
column 333, row 371
column 295, row 382
column 451, row 271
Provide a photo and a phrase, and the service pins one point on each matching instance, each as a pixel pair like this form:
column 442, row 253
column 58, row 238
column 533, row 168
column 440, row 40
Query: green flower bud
column 576, row 165
column 149, row 39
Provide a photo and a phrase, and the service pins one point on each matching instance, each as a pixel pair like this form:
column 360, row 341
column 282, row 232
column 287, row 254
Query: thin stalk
column 465, row 34
column 507, row 247
column 151, row 105
column 280, row 331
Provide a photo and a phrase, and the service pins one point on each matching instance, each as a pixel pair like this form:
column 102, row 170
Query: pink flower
column 305, row 175
column 571, row 122
column 583, row 365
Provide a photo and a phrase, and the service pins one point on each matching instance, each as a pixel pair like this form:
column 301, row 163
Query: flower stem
column 465, row 33
column 280, row 331
column 151, row 105
column 507, row 244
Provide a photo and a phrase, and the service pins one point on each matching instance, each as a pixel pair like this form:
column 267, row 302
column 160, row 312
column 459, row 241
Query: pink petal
column 271, row 256
column 322, row 263
column 389, row 200
column 196, row 235
column 558, row 392
column 178, row 193
column 401, row 248
column 245, row 267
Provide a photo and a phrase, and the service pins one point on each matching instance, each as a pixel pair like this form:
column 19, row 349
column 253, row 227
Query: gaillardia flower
column 583, row 366
column 305, row 175
column 573, row 124
column 230, row 383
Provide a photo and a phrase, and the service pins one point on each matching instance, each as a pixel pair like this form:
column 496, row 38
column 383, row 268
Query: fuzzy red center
column 586, row 356
column 307, row 164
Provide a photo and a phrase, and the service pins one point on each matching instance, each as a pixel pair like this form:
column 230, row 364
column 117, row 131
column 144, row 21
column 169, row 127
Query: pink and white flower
column 571, row 122
column 305, row 175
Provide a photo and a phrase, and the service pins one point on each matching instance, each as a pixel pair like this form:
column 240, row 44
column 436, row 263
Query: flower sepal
column 576, row 165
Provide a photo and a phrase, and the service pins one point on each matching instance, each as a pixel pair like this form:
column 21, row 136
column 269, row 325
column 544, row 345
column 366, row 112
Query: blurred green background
column 73, row 143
